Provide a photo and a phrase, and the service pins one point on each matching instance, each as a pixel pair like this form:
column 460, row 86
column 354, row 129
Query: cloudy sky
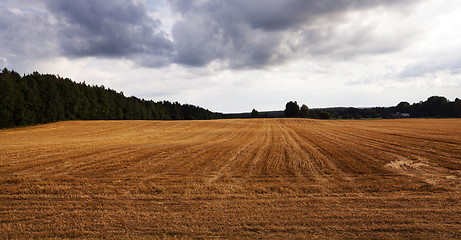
column 236, row 55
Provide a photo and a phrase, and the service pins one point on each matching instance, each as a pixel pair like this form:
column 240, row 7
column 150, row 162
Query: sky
column 238, row 55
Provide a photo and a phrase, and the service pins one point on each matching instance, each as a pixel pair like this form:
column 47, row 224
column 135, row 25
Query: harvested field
column 256, row 178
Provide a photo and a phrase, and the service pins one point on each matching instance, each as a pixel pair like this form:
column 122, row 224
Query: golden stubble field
column 256, row 178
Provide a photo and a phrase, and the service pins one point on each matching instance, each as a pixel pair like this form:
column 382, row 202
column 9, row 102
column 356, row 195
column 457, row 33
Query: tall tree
column 403, row 107
column 292, row 110
column 304, row 111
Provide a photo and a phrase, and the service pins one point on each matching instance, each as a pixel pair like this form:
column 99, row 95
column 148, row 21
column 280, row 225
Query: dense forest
column 44, row 98
column 433, row 107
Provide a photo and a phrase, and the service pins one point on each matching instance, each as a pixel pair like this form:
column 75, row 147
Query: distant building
column 402, row 115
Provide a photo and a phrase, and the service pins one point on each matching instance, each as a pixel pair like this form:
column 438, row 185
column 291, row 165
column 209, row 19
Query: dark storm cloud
column 236, row 33
column 25, row 36
column 276, row 14
column 279, row 15
column 264, row 32
column 110, row 28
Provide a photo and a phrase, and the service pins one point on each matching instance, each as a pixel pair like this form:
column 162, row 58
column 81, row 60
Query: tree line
column 433, row 107
column 43, row 98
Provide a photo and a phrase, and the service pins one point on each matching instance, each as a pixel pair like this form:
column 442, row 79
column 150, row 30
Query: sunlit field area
column 253, row 178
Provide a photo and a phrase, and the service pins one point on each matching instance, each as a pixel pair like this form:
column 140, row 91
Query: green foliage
column 43, row 98
column 403, row 107
column 304, row 111
column 292, row 110
column 324, row 115
column 433, row 107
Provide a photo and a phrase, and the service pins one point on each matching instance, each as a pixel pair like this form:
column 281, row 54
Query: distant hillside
column 43, row 98
column 433, row 107
column 264, row 114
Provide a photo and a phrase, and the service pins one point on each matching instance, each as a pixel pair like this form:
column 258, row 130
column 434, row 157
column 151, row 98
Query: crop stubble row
column 232, row 178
